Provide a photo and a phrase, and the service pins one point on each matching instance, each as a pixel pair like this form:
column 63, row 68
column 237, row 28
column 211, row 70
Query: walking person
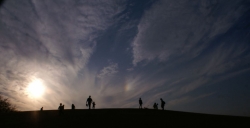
column 162, row 104
column 88, row 102
column 140, row 103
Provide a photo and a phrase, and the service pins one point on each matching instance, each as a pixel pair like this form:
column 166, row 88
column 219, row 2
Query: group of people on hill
column 61, row 108
column 90, row 102
column 155, row 106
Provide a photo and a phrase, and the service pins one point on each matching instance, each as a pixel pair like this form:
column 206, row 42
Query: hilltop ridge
column 118, row 118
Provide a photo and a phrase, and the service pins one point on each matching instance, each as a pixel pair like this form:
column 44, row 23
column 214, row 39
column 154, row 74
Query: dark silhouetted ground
column 106, row 118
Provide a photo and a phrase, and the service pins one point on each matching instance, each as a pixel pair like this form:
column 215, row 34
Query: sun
column 36, row 88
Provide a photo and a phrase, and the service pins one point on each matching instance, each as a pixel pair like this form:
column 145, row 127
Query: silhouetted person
column 162, row 104
column 93, row 105
column 89, row 101
column 41, row 109
column 154, row 105
column 60, row 108
column 140, row 103
column 73, row 107
column 157, row 106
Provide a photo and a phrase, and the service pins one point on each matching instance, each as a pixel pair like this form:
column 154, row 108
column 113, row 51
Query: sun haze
column 36, row 88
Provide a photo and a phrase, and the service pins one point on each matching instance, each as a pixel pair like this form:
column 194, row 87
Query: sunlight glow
column 36, row 88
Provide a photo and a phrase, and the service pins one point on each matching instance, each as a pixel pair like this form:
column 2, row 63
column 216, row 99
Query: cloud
column 185, row 99
column 108, row 70
column 176, row 28
column 181, row 50
column 194, row 44
column 130, row 69
column 52, row 41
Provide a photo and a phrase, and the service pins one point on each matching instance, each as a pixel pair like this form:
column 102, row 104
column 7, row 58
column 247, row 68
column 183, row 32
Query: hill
column 106, row 118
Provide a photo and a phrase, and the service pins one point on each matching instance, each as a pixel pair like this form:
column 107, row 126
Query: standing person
column 140, row 103
column 93, row 105
column 154, row 106
column 89, row 101
column 73, row 107
column 60, row 108
column 162, row 104
column 41, row 109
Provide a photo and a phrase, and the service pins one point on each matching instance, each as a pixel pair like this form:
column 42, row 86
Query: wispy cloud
column 108, row 70
column 193, row 42
column 50, row 40
column 176, row 28
column 172, row 49
column 185, row 99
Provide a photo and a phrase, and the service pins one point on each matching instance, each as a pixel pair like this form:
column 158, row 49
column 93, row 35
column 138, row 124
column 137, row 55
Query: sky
column 195, row 55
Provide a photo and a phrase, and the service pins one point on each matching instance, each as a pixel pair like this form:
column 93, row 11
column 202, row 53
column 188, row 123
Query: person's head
column 60, row 103
column 89, row 96
column 161, row 98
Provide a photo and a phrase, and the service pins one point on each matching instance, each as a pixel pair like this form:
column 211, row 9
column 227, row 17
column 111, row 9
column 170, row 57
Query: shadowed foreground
column 118, row 118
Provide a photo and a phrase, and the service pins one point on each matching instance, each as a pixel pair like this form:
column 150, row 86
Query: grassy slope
column 118, row 118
